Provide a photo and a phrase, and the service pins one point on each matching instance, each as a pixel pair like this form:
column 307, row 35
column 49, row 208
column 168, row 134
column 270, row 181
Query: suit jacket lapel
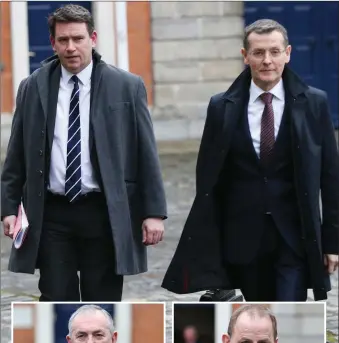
column 232, row 115
column 48, row 80
column 95, row 83
column 298, row 124
column 54, row 84
column 236, row 98
column 298, row 105
column 42, row 82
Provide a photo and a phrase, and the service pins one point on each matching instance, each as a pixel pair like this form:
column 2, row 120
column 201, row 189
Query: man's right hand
column 9, row 223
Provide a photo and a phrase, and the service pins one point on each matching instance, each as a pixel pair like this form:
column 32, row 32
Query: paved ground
column 178, row 172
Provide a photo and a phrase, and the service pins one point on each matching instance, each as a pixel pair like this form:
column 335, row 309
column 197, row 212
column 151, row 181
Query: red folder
column 20, row 228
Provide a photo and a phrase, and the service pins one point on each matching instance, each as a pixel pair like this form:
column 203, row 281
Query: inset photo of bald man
column 249, row 322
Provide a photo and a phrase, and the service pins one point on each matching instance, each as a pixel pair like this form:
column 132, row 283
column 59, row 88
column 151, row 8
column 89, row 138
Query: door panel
column 331, row 57
column 39, row 44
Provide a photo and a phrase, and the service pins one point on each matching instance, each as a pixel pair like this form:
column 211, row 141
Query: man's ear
column 52, row 40
column 226, row 338
column 244, row 55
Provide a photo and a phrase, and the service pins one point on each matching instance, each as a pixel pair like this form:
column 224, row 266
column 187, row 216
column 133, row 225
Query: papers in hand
column 20, row 228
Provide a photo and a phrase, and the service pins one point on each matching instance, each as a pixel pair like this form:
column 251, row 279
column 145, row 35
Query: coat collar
column 51, row 67
column 237, row 96
column 292, row 83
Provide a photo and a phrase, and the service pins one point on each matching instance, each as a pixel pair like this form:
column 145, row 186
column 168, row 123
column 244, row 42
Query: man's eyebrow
column 247, row 340
column 85, row 332
column 79, row 35
column 79, row 332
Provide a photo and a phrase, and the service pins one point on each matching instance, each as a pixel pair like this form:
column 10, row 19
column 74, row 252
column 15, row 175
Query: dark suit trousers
column 77, row 241
column 276, row 274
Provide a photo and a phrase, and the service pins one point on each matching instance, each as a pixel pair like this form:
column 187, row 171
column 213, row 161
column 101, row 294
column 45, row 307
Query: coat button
column 206, row 194
column 189, row 238
column 41, row 172
column 306, row 194
column 298, row 147
column 39, row 194
column 265, row 179
column 42, row 133
column 40, row 153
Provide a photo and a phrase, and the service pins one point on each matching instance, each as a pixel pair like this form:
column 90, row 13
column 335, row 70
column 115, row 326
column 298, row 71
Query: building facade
column 184, row 51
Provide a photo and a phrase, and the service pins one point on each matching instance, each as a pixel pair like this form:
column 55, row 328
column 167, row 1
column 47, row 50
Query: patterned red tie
column 267, row 138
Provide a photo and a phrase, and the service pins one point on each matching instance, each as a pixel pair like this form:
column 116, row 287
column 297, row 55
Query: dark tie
column 73, row 166
column 267, row 138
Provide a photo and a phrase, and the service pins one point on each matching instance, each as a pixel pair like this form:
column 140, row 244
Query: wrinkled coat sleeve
column 329, row 183
column 13, row 174
column 149, row 172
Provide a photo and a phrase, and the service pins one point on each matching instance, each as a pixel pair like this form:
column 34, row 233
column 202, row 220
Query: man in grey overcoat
column 82, row 157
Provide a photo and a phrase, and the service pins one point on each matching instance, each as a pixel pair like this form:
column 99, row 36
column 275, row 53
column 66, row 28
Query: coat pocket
column 118, row 106
column 131, row 187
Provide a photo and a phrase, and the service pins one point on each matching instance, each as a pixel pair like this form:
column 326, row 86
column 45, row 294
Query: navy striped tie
column 73, row 166
column 267, row 137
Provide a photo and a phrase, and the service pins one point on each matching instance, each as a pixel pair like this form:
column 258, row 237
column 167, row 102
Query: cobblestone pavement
column 178, row 173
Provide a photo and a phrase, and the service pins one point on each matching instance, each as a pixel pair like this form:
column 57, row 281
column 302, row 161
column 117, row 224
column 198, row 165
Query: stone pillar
column 196, row 54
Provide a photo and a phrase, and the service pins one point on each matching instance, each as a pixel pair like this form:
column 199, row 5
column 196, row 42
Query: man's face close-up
column 91, row 328
column 73, row 45
column 266, row 56
column 249, row 329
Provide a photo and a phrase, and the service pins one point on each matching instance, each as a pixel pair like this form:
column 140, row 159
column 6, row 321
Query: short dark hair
column 263, row 26
column 71, row 14
column 253, row 310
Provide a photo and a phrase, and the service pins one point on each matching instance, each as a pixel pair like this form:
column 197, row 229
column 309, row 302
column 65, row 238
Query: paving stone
column 178, row 172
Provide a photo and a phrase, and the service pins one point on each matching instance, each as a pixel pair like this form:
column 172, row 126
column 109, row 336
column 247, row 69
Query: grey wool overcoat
column 123, row 153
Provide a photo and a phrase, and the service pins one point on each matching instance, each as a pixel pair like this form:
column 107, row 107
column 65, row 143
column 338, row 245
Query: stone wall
column 300, row 323
column 196, row 54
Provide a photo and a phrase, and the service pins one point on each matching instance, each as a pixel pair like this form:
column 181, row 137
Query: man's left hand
column 331, row 261
column 152, row 231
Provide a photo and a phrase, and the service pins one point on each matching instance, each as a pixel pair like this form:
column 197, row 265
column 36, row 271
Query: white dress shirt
column 256, row 107
column 59, row 147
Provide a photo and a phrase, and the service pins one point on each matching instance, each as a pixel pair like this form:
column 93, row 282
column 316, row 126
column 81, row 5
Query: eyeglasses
column 261, row 54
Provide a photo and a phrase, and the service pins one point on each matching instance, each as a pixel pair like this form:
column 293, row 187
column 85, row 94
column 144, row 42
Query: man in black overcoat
column 267, row 153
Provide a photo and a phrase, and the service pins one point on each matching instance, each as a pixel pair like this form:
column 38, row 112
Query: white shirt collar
column 255, row 91
column 84, row 76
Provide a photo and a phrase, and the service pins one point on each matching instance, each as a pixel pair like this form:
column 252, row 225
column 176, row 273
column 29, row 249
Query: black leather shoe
column 221, row 295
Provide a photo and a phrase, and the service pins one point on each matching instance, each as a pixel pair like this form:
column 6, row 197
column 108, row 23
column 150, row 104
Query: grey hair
column 263, row 26
column 253, row 310
column 92, row 309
